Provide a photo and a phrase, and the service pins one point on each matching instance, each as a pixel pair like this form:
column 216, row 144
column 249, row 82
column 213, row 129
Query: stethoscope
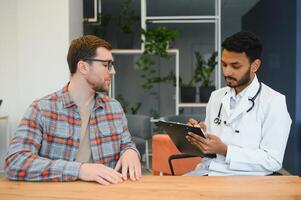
column 218, row 120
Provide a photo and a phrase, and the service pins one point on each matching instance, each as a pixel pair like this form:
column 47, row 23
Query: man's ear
column 82, row 67
column 255, row 65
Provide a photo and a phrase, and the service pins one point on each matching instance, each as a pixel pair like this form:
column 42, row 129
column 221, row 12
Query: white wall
column 8, row 66
column 8, row 57
column 35, row 36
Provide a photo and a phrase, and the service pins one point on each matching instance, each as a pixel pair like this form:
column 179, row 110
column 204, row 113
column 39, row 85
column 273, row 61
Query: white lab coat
column 258, row 148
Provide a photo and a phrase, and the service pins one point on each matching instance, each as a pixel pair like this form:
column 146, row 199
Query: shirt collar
column 67, row 98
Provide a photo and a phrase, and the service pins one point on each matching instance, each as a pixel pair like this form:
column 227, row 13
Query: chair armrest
column 178, row 156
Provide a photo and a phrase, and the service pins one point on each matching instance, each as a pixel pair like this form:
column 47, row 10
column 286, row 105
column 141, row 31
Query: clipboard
column 178, row 131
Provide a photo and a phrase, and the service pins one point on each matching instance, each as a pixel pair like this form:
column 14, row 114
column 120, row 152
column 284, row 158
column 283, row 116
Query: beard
column 99, row 87
column 245, row 79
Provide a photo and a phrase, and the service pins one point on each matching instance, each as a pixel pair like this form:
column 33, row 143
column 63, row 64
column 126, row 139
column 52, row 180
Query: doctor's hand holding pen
column 209, row 145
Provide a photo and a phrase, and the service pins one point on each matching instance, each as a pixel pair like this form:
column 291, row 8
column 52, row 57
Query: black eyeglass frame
column 110, row 62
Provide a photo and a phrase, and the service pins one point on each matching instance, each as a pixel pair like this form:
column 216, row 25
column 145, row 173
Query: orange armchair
column 164, row 151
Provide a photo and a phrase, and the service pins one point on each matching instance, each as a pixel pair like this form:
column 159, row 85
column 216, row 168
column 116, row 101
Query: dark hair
column 244, row 42
column 83, row 48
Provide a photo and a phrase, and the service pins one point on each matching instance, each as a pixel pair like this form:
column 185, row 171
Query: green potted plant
column 187, row 91
column 156, row 42
column 127, row 20
column 203, row 73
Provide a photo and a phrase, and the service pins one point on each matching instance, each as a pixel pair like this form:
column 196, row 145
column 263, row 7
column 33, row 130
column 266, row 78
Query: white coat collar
column 244, row 104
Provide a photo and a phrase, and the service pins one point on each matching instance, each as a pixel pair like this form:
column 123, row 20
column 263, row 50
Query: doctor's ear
column 255, row 65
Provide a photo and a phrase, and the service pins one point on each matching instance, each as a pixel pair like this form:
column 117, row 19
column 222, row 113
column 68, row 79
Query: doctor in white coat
column 247, row 122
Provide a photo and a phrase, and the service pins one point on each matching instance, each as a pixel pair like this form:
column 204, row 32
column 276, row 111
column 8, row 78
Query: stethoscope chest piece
column 217, row 120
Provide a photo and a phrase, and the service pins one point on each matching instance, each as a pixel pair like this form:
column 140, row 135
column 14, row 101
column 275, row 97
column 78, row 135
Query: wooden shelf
column 195, row 105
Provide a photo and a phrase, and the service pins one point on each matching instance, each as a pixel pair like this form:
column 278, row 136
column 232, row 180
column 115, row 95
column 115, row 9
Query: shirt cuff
column 71, row 170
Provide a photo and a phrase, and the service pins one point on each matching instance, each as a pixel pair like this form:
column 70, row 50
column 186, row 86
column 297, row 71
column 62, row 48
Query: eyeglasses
column 110, row 62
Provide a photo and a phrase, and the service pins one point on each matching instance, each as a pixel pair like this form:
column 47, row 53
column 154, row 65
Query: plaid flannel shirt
column 48, row 137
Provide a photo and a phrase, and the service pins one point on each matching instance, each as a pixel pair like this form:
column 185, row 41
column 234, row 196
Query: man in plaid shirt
column 77, row 132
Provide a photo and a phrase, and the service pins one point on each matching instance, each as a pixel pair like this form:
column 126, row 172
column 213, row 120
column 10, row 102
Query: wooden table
column 156, row 187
